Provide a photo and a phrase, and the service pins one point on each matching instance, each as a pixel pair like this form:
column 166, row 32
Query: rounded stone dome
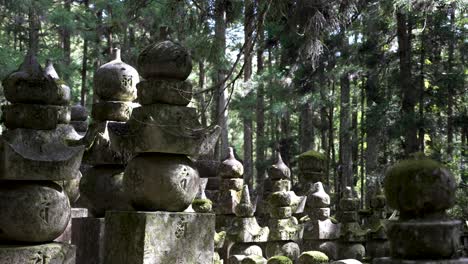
column 157, row 181
column 165, row 60
column 33, row 212
column 116, row 80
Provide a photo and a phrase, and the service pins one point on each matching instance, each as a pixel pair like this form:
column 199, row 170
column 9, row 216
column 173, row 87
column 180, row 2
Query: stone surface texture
column 51, row 253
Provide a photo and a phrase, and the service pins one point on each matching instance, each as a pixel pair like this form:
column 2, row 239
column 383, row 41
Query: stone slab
column 165, row 129
column 164, row 91
column 51, row 253
column 316, row 229
column 425, row 261
column 32, row 116
column 88, row 236
column 39, row 155
column 66, row 236
column 112, row 111
column 159, row 237
column 99, row 151
column 43, row 91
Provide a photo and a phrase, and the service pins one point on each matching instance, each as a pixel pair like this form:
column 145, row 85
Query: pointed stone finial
column 163, row 33
column 50, row 70
column 279, row 170
column 317, row 197
column 245, row 207
column 116, row 55
column 32, row 67
column 231, row 167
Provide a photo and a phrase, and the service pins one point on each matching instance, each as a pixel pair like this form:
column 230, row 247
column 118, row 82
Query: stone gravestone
column 102, row 183
column 36, row 152
column 377, row 244
column 422, row 190
column 160, row 179
column 79, row 118
column 320, row 233
column 285, row 230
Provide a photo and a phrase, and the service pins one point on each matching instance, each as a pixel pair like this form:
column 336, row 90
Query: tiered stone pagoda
column 79, row 118
column 102, row 183
column 160, row 178
column 35, row 152
column 320, row 233
column 245, row 234
column 312, row 166
column 422, row 190
column 377, row 244
column 285, row 229
column 352, row 236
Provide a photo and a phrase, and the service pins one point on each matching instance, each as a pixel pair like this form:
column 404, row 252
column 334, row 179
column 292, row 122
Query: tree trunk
column 409, row 94
column 306, row 128
column 221, row 89
column 34, row 27
column 354, row 128
column 84, row 67
column 66, row 43
column 346, row 159
column 247, row 115
column 450, row 81
column 201, row 96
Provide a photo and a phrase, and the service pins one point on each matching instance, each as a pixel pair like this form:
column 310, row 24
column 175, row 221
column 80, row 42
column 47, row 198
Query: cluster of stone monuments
column 145, row 198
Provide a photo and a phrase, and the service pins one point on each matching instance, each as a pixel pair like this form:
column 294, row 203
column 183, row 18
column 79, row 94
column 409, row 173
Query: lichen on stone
column 313, row 257
column 279, row 260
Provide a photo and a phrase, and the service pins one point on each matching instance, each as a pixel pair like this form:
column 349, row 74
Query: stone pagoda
column 422, row 190
column 352, row 236
column 37, row 149
column 285, row 229
column 245, row 234
column 377, row 244
column 102, row 183
column 160, row 178
column 312, row 166
column 320, row 233
column 79, row 118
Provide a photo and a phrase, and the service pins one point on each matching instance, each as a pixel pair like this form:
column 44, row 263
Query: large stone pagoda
column 36, row 150
column 160, row 178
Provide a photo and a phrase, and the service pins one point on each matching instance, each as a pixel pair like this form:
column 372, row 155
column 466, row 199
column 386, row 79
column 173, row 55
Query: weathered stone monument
column 102, row 183
column 422, row 190
column 79, row 118
column 312, row 167
column 352, row 236
column 377, row 244
column 160, row 179
column 245, row 234
column 285, row 230
column 35, row 152
column 320, row 233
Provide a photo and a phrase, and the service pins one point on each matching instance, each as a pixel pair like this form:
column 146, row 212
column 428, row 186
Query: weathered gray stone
column 88, row 236
column 163, row 60
column 436, row 239
column 72, row 188
column 279, row 260
column 279, row 171
column 79, row 113
column 116, row 80
column 288, row 249
column 112, row 111
column 102, row 189
column 347, row 261
column 231, row 168
column 227, row 202
column 51, row 253
column 98, row 146
column 247, row 230
column 80, row 126
column 171, row 176
column 165, row 129
column 242, row 259
column 317, row 197
column 351, row 251
column 32, row 211
column 245, row 249
column 313, row 257
column 66, row 236
column 231, row 184
column 159, row 237
column 321, row 214
column 39, row 155
column 329, row 248
column 172, row 92
column 316, row 229
column 285, row 229
column 34, row 116
column 207, row 169
column 281, row 212
column 281, row 186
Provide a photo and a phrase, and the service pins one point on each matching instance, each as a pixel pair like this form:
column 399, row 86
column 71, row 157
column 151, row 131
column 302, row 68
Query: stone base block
column 329, row 248
column 88, row 236
column 159, row 237
column 316, row 229
column 426, row 261
column 66, row 236
column 51, row 253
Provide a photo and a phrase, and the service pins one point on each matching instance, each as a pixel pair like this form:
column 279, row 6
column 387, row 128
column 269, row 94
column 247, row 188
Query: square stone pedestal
column 159, row 237
column 88, row 237
column 67, row 234
column 51, row 253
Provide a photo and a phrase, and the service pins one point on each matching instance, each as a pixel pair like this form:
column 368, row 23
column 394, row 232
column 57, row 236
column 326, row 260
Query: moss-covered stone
column 313, row 257
column 202, row 205
column 419, row 187
column 279, row 260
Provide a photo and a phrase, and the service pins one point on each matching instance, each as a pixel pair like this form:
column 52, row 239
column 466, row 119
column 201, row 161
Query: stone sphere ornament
column 165, row 60
column 418, row 187
column 161, row 182
column 116, row 80
column 32, row 211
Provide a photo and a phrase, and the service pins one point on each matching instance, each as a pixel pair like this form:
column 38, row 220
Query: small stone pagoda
column 36, row 150
column 422, row 190
column 79, row 118
column 160, row 178
column 377, row 244
column 102, row 183
column 285, row 229
column 320, row 233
